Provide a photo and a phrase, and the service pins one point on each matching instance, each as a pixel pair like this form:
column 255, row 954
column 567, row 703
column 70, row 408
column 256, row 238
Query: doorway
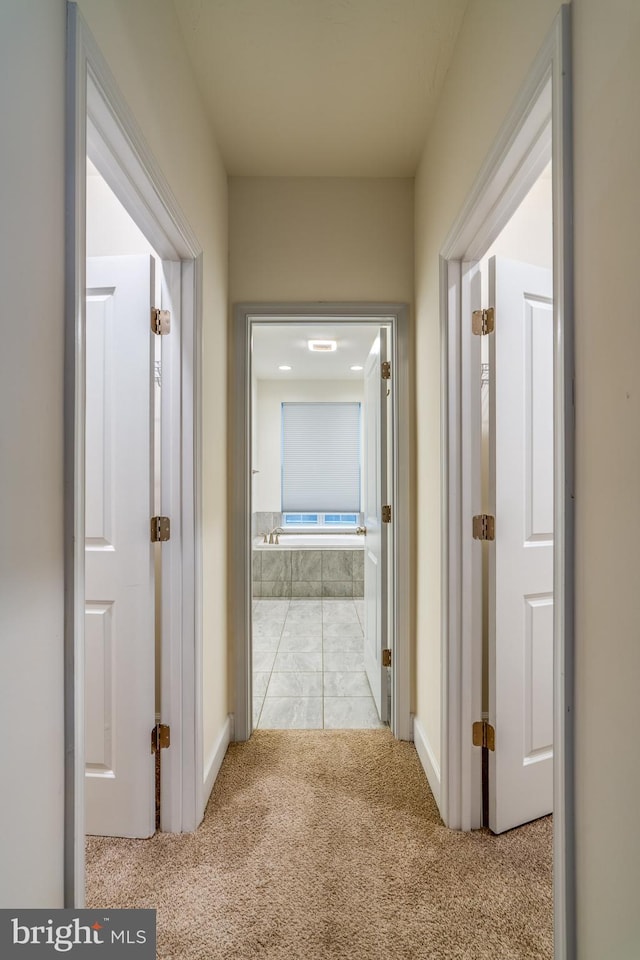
column 516, row 396
column 101, row 127
column 387, row 683
column 127, row 284
column 321, row 581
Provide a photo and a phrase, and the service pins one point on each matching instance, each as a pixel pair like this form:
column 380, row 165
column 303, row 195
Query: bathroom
column 307, row 529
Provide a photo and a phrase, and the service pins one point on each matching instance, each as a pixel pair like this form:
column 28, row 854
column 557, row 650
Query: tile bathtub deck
column 308, row 667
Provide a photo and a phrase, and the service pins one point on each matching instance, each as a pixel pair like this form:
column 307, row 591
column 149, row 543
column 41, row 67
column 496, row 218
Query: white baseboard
column 214, row 761
column 429, row 763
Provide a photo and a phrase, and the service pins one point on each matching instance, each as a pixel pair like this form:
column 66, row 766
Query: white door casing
column 119, row 592
column 375, row 548
column 521, row 558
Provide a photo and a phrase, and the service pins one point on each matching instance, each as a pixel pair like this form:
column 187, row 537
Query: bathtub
column 309, row 565
column 312, row 541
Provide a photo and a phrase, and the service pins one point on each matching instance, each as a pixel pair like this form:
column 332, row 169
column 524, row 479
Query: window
column 320, row 461
column 320, row 519
column 301, row 519
column 340, row 518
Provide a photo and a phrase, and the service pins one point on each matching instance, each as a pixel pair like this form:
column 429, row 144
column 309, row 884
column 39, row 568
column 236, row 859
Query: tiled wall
column 264, row 522
column 308, row 573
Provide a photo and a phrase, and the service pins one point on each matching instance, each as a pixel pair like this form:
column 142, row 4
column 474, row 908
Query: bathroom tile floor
column 308, row 667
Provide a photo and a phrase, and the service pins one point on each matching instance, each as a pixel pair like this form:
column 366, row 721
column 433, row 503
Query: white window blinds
column 321, row 457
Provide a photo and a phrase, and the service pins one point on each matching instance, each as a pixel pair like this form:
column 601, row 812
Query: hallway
column 328, row 844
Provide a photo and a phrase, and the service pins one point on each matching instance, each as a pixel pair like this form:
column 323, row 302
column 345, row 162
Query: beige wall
column 607, row 214
column 607, row 200
column 167, row 106
column 320, row 239
column 31, row 438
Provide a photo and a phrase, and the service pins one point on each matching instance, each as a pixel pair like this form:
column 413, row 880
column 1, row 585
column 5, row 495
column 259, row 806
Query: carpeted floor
column 328, row 844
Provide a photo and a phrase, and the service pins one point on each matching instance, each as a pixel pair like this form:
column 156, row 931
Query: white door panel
column 521, row 559
column 119, row 587
column 375, row 495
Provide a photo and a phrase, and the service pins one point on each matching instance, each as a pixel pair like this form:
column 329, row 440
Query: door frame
column 244, row 315
column 99, row 124
column 539, row 126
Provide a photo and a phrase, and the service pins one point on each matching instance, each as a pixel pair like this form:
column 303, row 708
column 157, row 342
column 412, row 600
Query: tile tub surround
column 308, row 668
column 307, row 573
column 262, row 521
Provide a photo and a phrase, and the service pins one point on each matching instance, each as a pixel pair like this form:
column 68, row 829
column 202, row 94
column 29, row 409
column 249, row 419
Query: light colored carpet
column 328, row 844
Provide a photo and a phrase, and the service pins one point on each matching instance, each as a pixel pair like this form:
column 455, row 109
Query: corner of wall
column 427, row 757
column 214, row 760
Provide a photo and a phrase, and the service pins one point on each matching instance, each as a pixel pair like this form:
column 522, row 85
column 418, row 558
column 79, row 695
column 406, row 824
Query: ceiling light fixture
column 322, row 346
column 284, row 366
column 356, row 366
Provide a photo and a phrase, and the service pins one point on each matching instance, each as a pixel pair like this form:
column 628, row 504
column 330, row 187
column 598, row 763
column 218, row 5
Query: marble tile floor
column 308, row 666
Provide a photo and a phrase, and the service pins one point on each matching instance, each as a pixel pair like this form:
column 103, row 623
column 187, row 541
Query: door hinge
column 484, row 735
column 385, row 370
column 386, row 657
column 160, row 737
column 484, row 527
column 160, row 322
column 160, row 529
column 483, row 321
column 386, row 513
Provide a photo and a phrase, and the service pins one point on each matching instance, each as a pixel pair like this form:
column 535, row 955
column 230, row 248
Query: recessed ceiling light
column 356, row 366
column 284, row 366
column 322, row 346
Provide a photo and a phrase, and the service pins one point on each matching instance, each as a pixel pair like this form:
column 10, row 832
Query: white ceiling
column 276, row 344
column 320, row 87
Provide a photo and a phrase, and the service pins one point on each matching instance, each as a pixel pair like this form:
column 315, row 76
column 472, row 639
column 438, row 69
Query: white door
column 375, row 547
column 119, row 592
column 521, row 559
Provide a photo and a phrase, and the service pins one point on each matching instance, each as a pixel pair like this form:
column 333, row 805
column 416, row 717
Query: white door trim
column 240, row 495
column 99, row 123
column 538, row 126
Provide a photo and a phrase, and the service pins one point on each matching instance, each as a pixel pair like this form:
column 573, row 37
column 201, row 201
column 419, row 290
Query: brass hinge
column 160, row 322
column 160, row 737
column 484, row 527
column 160, row 529
column 386, row 513
column 483, row 321
column 385, row 370
column 386, row 657
column 484, row 735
